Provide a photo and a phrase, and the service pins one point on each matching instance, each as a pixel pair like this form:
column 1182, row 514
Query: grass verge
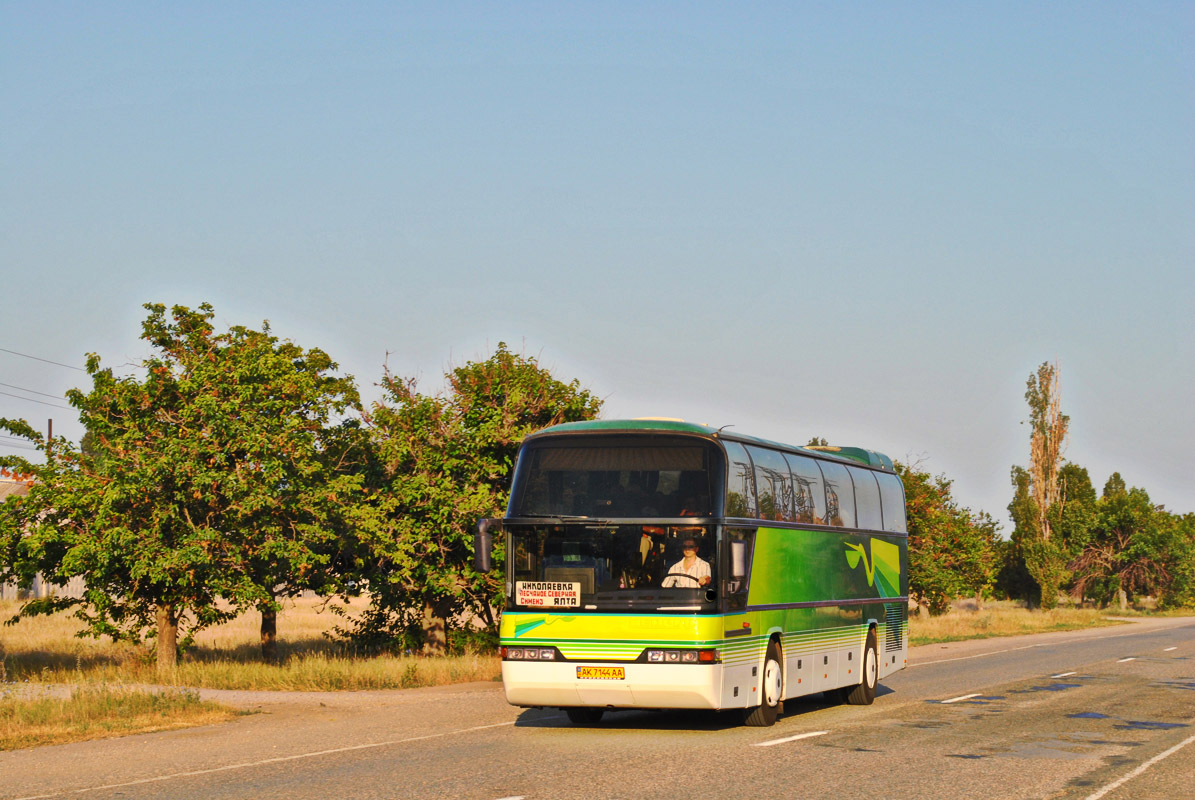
column 309, row 672
column 33, row 719
column 1002, row 620
column 46, row 650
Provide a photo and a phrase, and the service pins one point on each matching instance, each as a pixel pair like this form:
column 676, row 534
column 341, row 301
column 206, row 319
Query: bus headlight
column 682, row 657
column 528, row 653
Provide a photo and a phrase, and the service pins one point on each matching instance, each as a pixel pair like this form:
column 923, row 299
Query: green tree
column 1037, row 501
column 1134, row 547
column 1181, row 591
column 952, row 552
column 221, row 473
column 443, row 462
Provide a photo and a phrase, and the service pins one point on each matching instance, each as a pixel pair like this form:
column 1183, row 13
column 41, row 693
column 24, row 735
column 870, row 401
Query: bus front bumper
column 643, row 685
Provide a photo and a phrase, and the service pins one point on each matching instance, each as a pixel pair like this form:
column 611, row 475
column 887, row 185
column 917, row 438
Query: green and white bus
column 794, row 580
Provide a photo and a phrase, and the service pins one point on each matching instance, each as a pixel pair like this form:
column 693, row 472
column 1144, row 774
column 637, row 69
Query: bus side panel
column 824, row 644
column 819, row 565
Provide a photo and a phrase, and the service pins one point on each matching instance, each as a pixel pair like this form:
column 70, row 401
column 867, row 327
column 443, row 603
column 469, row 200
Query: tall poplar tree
column 1039, row 497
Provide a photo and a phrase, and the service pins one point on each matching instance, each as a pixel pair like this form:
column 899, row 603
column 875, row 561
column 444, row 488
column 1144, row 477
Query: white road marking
column 1115, row 784
column 791, row 738
column 960, row 697
column 263, row 762
column 1130, row 658
column 513, row 797
column 1064, row 674
column 977, row 655
column 1168, row 649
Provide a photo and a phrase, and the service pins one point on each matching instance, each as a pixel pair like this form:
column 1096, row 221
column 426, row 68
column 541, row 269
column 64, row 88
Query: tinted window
column 600, row 479
column 840, row 495
column 773, row 484
column 892, row 497
column 740, row 482
column 867, row 499
column 809, row 494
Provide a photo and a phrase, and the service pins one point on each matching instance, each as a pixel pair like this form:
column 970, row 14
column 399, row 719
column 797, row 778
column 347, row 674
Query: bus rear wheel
column 865, row 692
column 771, row 691
column 584, row 716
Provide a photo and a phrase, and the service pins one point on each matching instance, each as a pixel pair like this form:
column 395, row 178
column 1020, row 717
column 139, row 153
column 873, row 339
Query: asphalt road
column 1106, row 713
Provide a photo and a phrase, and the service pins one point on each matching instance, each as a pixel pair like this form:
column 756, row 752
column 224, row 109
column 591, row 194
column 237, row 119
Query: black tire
column 584, row 716
column 771, row 690
column 865, row 692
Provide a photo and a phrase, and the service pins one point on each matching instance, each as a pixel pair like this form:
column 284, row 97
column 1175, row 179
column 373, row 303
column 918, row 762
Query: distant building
column 12, row 485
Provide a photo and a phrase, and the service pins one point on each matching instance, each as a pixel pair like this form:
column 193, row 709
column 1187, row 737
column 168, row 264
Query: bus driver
column 690, row 571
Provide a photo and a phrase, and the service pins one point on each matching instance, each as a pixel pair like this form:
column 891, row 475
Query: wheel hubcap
column 771, row 683
column 870, row 669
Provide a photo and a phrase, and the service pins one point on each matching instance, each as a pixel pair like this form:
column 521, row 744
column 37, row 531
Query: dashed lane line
column 1168, row 649
column 1012, row 650
column 1064, row 674
column 263, row 762
column 960, row 697
column 1130, row 658
column 791, row 738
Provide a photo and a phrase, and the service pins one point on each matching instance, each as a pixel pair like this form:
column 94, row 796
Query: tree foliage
column 1134, row 548
column 952, row 551
column 220, row 473
column 442, row 462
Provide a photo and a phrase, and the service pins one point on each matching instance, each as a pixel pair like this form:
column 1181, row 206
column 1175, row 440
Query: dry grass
column 32, row 719
column 45, row 650
column 1001, row 619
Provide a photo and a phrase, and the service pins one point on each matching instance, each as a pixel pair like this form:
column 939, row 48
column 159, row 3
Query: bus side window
column 840, row 495
column 867, row 499
column 740, row 482
column 773, row 484
column 808, row 488
column 892, row 499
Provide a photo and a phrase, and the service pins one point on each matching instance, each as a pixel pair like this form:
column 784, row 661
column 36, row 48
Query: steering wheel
column 696, row 581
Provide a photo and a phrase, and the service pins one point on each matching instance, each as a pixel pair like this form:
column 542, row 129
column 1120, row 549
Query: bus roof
column 858, row 455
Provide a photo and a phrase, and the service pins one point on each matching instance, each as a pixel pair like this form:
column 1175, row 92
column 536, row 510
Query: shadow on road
column 675, row 720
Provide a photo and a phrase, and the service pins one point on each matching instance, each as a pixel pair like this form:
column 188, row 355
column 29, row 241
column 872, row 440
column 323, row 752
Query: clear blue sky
column 868, row 222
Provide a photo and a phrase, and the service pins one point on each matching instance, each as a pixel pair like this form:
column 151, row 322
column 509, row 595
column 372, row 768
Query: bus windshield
column 660, row 477
column 612, row 567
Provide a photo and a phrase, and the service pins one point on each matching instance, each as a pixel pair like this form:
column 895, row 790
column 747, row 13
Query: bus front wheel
column 584, row 716
column 771, row 690
column 864, row 693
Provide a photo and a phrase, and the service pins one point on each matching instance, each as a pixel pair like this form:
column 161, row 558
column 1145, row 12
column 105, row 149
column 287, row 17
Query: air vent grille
column 894, row 626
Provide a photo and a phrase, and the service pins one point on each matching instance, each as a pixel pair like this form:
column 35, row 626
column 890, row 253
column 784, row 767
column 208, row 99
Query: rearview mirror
column 483, row 544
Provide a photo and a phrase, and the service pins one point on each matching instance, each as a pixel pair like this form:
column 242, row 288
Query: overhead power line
column 46, row 360
column 32, row 391
column 31, row 400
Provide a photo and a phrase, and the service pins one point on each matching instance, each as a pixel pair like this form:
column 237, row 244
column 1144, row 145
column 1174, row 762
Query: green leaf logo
column 855, row 553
